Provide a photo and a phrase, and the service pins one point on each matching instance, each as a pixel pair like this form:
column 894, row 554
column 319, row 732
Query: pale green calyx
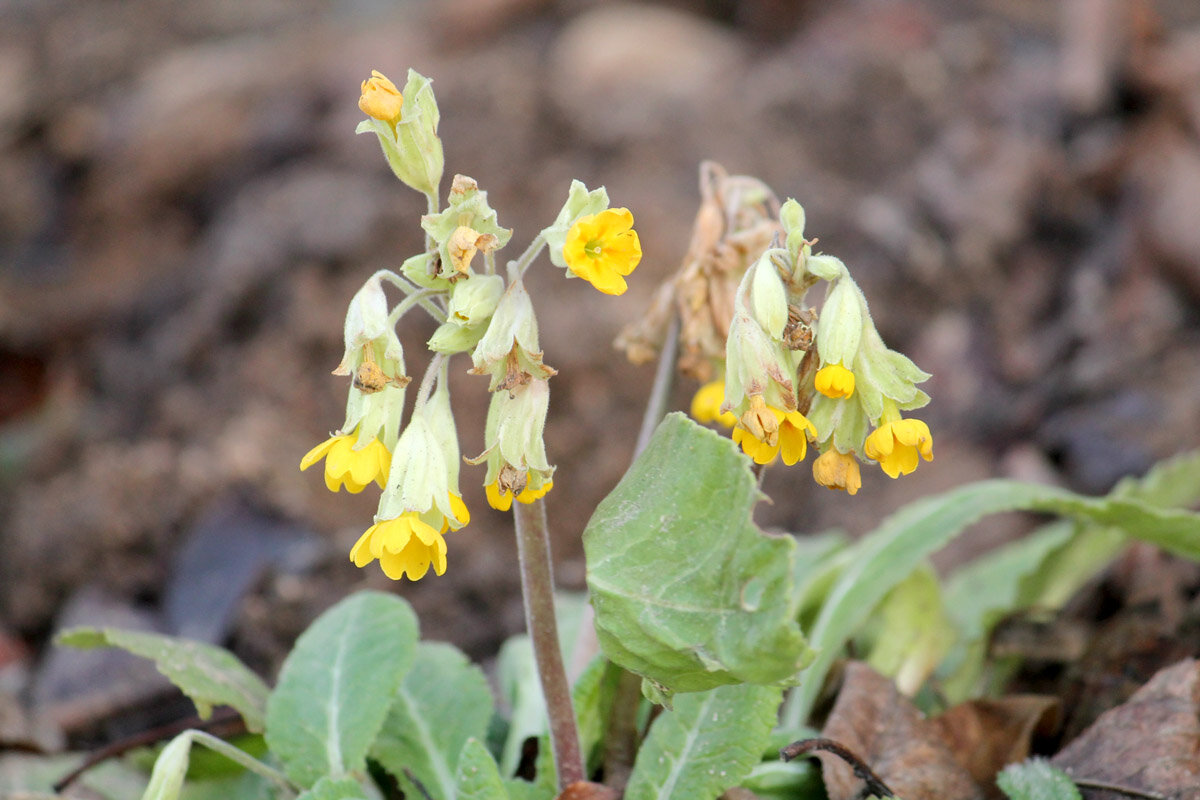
column 445, row 433
column 375, row 358
column 756, row 365
column 411, row 145
column 467, row 208
column 472, row 303
column 840, row 326
column 366, row 322
column 422, row 270
column 768, row 295
column 514, row 432
column 826, row 267
column 881, row 372
column 418, row 479
column 509, row 349
column 791, row 217
column 580, row 203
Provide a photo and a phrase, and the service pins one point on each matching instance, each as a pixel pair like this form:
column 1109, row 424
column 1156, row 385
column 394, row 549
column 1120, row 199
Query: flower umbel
column 350, row 467
column 834, row 380
column 602, row 248
column 380, row 98
column 897, row 444
column 835, row 470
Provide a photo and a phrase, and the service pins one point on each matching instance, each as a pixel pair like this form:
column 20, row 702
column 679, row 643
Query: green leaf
column 336, row 686
column 886, row 556
column 521, row 691
column 707, row 743
column 1046, row 568
column 545, row 781
column 328, row 788
column 786, row 780
column 910, row 631
column 687, row 591
column 443, row 701
column 245, row 785
column 478, row 775
column 1036, row 779
column 166, row 779
column 207, row 674
column 593, row 696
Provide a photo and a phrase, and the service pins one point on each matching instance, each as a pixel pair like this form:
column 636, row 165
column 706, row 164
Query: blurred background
column 185, row 212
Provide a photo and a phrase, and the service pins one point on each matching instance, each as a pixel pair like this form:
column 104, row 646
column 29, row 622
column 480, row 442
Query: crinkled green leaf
column 707, row 743
column 443, row 701
column 1036, row 779
column 887, row 556
column 688, row 593
column 328, row 788
column 207, row 674
column 337, row 684
column 478, row 775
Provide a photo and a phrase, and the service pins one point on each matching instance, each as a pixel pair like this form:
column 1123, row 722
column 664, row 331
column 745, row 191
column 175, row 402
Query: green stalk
column 537, row 585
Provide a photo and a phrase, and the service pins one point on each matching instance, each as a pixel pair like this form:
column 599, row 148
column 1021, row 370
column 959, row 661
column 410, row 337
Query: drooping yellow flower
column 602, row 248
column 790, row 438
column 404, row 545
column 706, row 405
column 350, row 467
column 834, row 380
column 835, row 470
column 501, row 500
column 896, row 445
column 380, row 98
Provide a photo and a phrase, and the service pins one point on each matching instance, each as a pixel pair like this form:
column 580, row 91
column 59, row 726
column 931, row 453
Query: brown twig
column 804, row 747
column 224, row 722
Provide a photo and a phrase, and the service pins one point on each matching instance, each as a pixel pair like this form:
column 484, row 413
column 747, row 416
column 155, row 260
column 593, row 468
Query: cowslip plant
column 728, row 631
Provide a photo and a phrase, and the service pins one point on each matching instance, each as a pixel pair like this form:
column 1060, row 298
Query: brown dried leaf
column 901, row 746
column 1150, row 743
column 985, row 735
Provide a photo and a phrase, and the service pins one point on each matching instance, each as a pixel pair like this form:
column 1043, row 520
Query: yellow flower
column 706, row 405
column 350, row 467
column 896, row 445
column 501, row 500
column 835, row 470
column 601, row 248
column 403, row 545
column 834, row 380
column 791, row 438
column 380, row 98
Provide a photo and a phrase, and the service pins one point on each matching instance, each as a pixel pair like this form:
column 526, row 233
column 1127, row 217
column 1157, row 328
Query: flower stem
column 537, row 584
column 409, row 288
column 241, row 757
column 516, row 269
column 432, row 373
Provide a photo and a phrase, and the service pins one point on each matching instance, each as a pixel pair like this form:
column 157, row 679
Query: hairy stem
column 516, row 268
column 537, row 584
column 427, row 301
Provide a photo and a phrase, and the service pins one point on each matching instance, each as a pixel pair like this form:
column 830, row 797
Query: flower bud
column 840, row 324
column 409, row 140
column 509, row 350
column 380, row 98
column 836, row 470
column 791, row 217
column 768, row 295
